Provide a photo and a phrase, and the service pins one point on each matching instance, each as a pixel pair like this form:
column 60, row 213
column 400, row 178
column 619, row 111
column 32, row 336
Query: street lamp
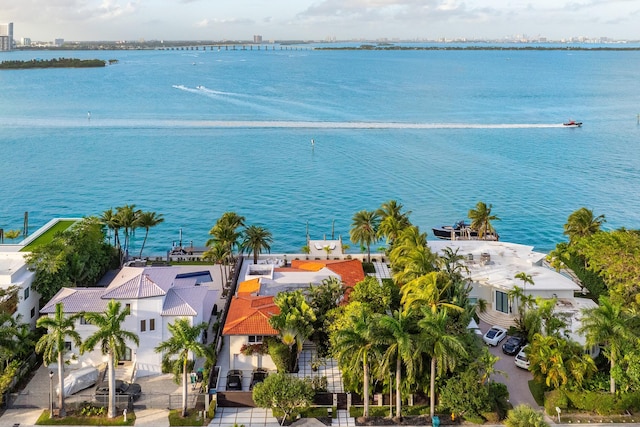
column 51, row 394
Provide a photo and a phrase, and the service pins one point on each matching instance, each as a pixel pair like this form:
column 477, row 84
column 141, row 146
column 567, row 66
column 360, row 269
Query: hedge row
column 597, row 402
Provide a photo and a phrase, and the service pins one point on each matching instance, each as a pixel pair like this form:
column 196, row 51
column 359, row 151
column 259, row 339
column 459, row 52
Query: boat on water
column 459, row 231
column 572, row 124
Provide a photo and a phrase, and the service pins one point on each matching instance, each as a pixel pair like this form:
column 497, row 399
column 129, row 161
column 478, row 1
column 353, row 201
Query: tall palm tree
column 392, row 220
column 226, row 232
column 127, row 217
column 184, row 341
column 110, row 219
column 112, row 338
column 526, row 278
column 444, row 348
column 608, row 325
column 582, row 223
column 255, row 240
column 353, row 346
column 52, row 344
column 364, row 229
column 450, row 262
column 147, row 220
column 219, row 254
column 399, row 333
column 481, row 218
column 427, row 291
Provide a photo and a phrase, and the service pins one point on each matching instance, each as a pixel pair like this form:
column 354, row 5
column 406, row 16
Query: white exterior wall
column 14, row 272
column 148, row 362
column 246, row 363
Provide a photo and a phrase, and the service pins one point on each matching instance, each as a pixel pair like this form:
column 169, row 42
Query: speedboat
column 572, row 124
column 459, row 230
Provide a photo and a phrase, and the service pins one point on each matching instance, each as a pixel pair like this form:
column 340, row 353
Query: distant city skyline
column 84, row 20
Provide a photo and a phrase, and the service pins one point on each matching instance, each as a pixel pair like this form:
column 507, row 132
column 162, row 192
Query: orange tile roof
column 249, row 286
column 250, row 315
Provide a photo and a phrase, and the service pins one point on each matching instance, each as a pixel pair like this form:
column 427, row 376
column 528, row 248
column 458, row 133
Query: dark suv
column 234, row 379
column 257, row 376
column 126, row 393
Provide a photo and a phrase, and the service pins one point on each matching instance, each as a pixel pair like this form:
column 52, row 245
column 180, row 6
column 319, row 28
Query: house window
column 83, row 321
column 502, row 302
column 127, row 355
column 67, row 346
column 128, row 306
column 255, row 339
column 26, row 293
column 33, row 312
column 152, row 324
column 143, row 325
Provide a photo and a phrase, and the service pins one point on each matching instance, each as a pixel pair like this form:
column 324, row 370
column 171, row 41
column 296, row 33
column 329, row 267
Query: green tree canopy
column 364, row 229
column 284, row 393
column 77, row 256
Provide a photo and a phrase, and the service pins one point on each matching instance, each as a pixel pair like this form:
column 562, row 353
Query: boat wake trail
column 266, row 124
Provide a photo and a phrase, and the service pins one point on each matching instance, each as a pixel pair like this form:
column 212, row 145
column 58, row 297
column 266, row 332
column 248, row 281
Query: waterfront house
column 156, row 296
column 247, row 322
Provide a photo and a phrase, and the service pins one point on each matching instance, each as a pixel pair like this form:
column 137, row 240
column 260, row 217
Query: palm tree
column 52, row 344
column 526, row 278
column 392, row 220
column 226, row 232
column 582, row 223
column 427, row 291
column 219, row 254
column 399, row 333
column 443, row 348
column 481, row 218
column 450, row 263
column 255, row 240
column 364, row 229
column 110, row 220
column 127, row 216
column 112, row 340
column 353, row 346
column 147, row 220
column 184, row 341
column 608, row 325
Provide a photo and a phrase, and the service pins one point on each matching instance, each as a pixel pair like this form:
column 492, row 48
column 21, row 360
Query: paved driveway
column 516, row 379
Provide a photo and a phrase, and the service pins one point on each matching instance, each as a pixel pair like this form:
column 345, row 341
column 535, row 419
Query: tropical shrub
column 525, row 416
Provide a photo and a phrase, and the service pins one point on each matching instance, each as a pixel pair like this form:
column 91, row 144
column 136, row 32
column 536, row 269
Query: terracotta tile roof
column 249, row 286
column 349, row 270
column 250, row 316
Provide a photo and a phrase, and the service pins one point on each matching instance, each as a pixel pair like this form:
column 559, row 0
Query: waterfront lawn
column 48, row 235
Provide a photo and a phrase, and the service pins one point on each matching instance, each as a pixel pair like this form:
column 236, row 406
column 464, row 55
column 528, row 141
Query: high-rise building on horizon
column 6, row 37
column 257, row 39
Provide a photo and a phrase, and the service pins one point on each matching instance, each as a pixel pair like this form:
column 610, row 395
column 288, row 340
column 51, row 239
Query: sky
column 113, row 20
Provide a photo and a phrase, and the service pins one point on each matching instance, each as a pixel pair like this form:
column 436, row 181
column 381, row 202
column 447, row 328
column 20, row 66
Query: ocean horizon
column 193, row 134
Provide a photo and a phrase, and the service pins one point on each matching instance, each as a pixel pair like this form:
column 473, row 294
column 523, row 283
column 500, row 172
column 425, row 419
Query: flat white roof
column 496, row 263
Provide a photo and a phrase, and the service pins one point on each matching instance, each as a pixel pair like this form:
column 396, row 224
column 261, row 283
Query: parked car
column 513, row 345
column 521, row 360
column 234, row 379
column 257, row 376
column 494, row 336
column 126, row 393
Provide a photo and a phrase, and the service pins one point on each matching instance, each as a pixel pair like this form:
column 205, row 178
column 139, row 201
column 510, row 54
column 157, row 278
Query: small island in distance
column 55, row 63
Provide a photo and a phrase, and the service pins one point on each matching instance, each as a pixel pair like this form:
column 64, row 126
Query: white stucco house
column 492, row 268
column 156, row 296
column 16, row 277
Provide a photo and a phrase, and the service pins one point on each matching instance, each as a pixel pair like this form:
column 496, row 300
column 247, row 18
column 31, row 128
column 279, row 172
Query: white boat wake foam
column 266, row 124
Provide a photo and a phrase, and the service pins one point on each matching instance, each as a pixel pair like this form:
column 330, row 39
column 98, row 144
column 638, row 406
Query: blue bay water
column 192, row 134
